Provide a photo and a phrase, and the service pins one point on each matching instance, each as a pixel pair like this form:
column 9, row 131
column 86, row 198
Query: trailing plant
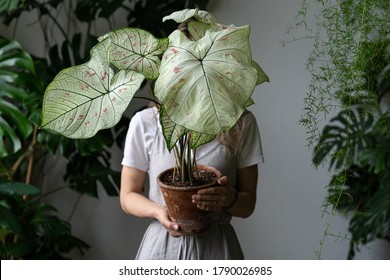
column 203, row 83
column 351, row 50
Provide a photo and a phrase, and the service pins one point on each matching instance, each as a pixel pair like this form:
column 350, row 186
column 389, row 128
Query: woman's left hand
column 215, row 198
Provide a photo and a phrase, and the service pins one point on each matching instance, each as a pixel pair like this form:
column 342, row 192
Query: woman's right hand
column 172, row 227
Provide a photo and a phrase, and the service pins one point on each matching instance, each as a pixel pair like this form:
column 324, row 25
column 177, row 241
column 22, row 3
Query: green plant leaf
column 22, row 248
column 86, row 173
column 136, row 49
column 16, row 75
column 83, row 99
column 9, row 221
column 198, row 22
column 14, row 143
column 214, row 75
column 9, row 90
column 171, row 131
column 343, row 138
column 8, row 5
column 12, row 54
column 198, row 139
column 17, row 188
column 198, row 29
column 378, row 216
column 21, row 123
column 183, row 15
column 261, row 76
column 49, row 226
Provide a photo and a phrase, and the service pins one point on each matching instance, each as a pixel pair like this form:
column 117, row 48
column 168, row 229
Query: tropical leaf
column 7, row 132
column 261, row 76
column 21, row 123
column 8, row 6
column 86, row 173
column 197, row 29
column 8, row 221
column 18, row 189
column 136, row 49
column 199, row 139
column 16, row 75
column 343, row 138
column 12, row 54
column 213, row 76
column 20, row 249
column 378, row 216
column 198, row 22
column 171, row 131
column 83, row 99
column 198, row 15
column 49, row 226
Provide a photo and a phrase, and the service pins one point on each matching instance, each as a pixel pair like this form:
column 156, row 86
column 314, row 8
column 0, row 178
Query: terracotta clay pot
column 180, row 207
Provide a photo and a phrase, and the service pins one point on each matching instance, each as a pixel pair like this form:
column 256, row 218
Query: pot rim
column 190, row 188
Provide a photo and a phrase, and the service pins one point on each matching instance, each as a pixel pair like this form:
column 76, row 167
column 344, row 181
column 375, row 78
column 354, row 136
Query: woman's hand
column 163, row 217
column 135, row 203
column 215, row 198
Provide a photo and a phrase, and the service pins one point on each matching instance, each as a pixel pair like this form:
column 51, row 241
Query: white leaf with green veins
column 197, row 29
column 199, row 139
column 138, row 50
column 83, row 99
column 183, row 15
column 205, row 85
column 171, row 131
column 261, row 76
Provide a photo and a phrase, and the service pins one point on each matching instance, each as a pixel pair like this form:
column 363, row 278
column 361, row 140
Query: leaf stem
column 31, row 157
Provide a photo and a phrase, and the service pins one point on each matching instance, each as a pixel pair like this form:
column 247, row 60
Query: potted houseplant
column 203, row 82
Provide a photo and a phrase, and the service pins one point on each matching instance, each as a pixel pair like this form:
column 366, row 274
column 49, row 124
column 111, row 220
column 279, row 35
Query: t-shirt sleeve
column 251, row 151
column 138, row 142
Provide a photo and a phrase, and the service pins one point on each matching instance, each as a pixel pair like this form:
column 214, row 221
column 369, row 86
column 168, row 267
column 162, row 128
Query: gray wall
column 289, row 222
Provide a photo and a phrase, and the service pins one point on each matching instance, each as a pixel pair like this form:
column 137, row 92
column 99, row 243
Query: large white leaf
column 83, row 99
column 205, row 85
column 136, row 49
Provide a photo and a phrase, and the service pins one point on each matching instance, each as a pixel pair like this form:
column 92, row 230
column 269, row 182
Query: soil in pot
column 178, row 199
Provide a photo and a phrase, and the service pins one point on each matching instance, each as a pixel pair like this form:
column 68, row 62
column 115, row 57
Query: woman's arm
column 242, row 205
column 135, row 203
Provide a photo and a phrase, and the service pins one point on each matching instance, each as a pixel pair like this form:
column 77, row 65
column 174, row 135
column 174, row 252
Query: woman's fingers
column 224, row 180
column 207, row 202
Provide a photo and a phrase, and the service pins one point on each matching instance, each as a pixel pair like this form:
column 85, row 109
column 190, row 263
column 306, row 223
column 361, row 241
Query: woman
column 236, row 154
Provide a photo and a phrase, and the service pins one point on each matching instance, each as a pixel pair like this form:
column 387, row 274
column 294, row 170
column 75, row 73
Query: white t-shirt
column 145, row 126
column 145, row 149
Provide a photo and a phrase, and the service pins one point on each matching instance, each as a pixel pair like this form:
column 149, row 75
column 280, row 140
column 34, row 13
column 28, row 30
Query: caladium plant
column 204, row 80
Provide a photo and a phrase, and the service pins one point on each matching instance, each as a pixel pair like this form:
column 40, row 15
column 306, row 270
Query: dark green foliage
column 362, row 187
column 349, row 66
column 343, row 138
column 18, row 93
column 29, row 230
